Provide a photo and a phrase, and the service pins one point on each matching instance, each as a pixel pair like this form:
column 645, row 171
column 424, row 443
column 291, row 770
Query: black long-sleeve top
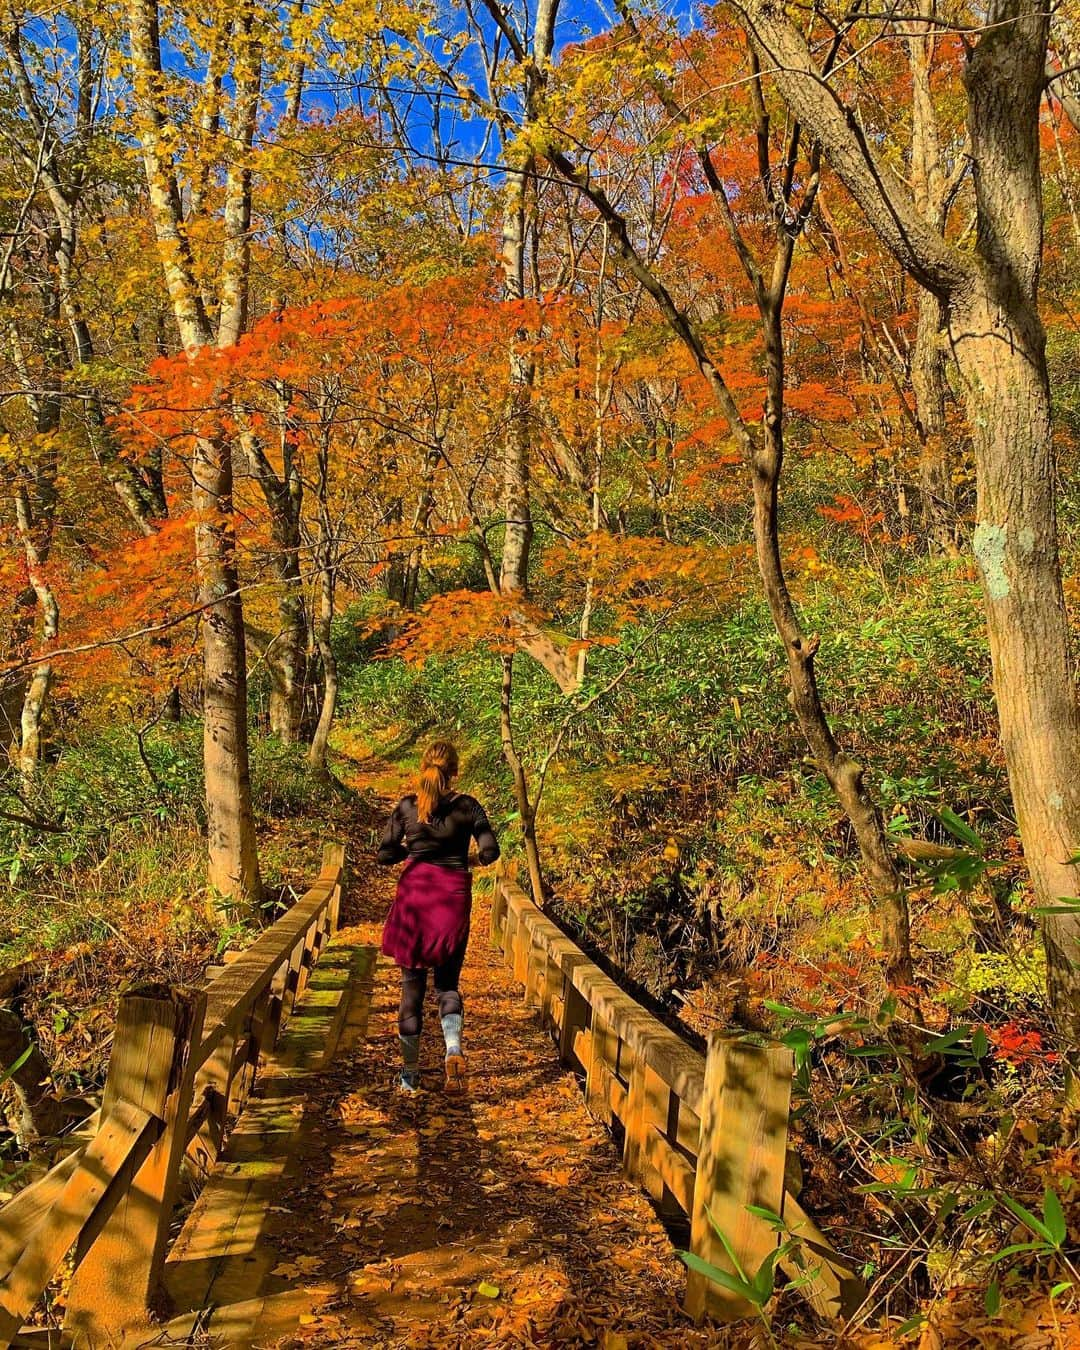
column 444, row 839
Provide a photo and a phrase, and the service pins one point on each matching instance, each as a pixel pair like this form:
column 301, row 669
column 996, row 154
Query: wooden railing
column 705, row 1135
column 182, row 1065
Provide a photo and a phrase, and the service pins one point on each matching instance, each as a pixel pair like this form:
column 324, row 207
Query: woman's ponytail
column 438, row 767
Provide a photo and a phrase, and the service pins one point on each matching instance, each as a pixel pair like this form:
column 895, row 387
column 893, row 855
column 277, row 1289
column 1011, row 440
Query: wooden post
column 551, row 983
column 334, row 856
column 535, row 969
column 603, row 1049
column 648, row 1108
column 575, row 1018
column 520, row 951
column 510, row 923
column 117, row 1273
column 744, row 1127
column 213, row 1082
column 498, row 909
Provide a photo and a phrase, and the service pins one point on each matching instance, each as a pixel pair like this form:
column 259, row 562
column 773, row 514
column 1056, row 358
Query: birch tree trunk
column 232, row 864
column 35, row 508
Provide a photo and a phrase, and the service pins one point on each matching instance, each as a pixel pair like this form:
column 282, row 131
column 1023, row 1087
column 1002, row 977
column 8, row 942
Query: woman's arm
column 487, row 846
column 391, row 848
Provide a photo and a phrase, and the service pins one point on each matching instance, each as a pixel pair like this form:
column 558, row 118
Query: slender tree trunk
column 928, row 378
column 937, row 491
column 844, row 775
column 324, row 616
column 35, row 513
column 518, row 528
column 522, row 800
column 285, row 653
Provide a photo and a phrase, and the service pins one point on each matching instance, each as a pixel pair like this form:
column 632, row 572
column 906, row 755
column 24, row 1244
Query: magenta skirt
column 428, row 923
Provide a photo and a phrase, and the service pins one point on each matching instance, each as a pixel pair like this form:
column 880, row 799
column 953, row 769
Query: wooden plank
column 830, row 1282
column 581, row 1048
column 674, row 1167
column 744, row 1128
column 98, row 1183
column 118, row 1272
column 21, row 1215
column 647, row 1110
column 212, row 1084
column 603, row 1052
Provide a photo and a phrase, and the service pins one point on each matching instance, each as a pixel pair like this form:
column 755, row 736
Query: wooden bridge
column 207, row 1089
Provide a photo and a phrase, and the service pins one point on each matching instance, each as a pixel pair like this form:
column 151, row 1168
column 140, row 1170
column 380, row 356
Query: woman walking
column 428, row 924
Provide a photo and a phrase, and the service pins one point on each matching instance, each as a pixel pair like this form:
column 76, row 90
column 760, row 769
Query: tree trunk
column 323, row 624
column 928, row 380
column 324, row 616
column 526, row 811
column 1003, row 368
column 937, row 492
column 1001, row 352
column 41, row 1114
column 844, row 775
column 285, row 654
column 232, row 862
column 233, row 869
column 35, row 512
column 518, row 528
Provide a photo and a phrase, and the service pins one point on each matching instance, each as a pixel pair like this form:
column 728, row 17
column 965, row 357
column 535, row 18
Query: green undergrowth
column 114, row 892
column 684, row 827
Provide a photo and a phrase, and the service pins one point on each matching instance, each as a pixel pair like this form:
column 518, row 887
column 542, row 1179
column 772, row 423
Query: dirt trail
column 499, row 1218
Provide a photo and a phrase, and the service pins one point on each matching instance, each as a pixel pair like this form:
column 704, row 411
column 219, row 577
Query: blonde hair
column 438, row 768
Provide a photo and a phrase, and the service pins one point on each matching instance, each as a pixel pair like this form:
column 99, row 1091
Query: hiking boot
column 455, row 1073
column 409, row 1082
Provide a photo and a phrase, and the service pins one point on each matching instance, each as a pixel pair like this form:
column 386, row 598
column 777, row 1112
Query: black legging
column 414, row 986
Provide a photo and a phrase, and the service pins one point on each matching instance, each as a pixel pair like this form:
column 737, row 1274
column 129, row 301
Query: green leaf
column 14, row 1068
column 942, row 1043
column 1061, row 1288
column 1054, row 1218
column 769, row 1215
column 764, row 1280
column 912, row 1324
column 1026, row 1217
column 722, row 1278
column 1014, row 1248
column 960, row 829
column 488, row 1290
column 979, row 1044
column 993, row 1298
column 783, row 1010
column 729, row 1249
column 978, row 1209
